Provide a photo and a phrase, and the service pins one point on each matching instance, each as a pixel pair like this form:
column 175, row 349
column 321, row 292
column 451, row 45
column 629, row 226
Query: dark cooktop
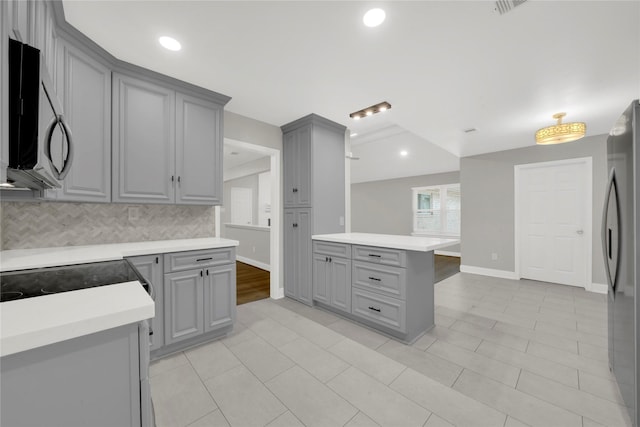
column 16, row 285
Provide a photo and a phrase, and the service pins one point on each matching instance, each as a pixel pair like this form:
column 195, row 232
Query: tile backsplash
column 40, row 225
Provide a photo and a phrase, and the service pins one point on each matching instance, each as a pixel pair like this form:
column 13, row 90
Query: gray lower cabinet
column 202, row 300
column 387, row 289
column 332, row 275
column 84, row 87
column 97, row 380
column 184, row 305
column 151, row 268
column 297, row 257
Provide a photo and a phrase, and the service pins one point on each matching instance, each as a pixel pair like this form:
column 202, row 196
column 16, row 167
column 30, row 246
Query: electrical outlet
column 134, row 213
column 494, row 256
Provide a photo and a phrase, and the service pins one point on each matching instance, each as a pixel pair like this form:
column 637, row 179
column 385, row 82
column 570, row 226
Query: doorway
column 273, row 268
column 553, row 221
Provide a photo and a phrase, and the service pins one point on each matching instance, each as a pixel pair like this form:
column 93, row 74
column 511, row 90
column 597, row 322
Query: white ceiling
column 445, row 66
column 237, row 156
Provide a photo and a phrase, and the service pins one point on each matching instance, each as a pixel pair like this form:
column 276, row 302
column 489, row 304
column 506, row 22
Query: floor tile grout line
column 206, row 388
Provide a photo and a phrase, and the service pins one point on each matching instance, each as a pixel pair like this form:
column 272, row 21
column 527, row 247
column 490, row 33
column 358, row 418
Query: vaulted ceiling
column 445, row 66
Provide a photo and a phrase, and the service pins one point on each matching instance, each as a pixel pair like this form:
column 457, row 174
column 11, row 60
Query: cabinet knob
column 172, row 178
column 178, row 179
column 295, row 190
column 200, row 273
column 295, row 225
column 157, row 260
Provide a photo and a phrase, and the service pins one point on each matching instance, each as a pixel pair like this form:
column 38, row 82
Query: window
column 436, row 210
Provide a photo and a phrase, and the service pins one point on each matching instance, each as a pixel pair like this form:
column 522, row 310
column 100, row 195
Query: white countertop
column 35, row 322
column 22, row 259
column 409, row 243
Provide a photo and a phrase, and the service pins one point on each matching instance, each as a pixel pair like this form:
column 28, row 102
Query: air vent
column 504, row 6
column 470, row 130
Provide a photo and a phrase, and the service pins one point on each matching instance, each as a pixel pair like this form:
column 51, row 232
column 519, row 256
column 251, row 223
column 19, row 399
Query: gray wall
column 245, row 129
column 487, row 185
column 385, row 207
column 53, row 224
column 254, row 242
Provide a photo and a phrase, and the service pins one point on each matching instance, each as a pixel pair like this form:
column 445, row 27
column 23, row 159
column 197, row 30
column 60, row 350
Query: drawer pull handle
column 204, row 259
column 375, row 278
column 374, row 309
column 375, row 256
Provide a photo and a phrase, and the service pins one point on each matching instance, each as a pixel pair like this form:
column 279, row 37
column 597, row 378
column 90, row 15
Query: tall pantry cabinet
column 314, row 195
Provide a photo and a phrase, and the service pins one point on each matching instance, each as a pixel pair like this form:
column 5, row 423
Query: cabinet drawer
column 379, row 309
column 332, row 249
column 384, row 256
column 180, row 261
column 380, row 278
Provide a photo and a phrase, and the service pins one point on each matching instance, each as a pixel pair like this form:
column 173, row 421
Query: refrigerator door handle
column 607, row 232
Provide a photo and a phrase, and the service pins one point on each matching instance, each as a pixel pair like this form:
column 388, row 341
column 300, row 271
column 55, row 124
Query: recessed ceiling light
column 374, row 17
column 404, row 153
column 170, row 43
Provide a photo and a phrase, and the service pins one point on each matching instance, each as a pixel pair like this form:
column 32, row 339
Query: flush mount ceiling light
column 404, row 153
column 560, row 132
column 170, row 43
column 374, row 17
column 370, row 111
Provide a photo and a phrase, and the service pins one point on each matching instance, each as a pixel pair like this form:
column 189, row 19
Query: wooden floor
column 446, row 266
column 252, row 283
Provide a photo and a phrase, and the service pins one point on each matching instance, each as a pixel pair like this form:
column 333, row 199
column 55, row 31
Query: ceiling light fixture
column 170, row 43
column 404, row 153
column 354, row 134
column 370, row 111
column 374, row 17
column 560, row 132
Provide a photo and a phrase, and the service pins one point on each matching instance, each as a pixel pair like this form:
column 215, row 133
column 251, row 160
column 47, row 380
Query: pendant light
column 560, row 132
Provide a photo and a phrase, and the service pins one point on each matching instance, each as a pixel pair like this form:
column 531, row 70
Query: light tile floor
column 503, row 353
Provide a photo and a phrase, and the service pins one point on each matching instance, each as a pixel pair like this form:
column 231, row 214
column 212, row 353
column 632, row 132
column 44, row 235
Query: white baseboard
column 502, row 274
column 253, row 262
column 598, row 288
column 447, row 253
column 279, row 294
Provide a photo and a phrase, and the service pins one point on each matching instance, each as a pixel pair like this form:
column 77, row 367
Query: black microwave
column 40, row 141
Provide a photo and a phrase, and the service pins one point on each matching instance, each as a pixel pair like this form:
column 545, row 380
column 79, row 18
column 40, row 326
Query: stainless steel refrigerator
column 620, row 236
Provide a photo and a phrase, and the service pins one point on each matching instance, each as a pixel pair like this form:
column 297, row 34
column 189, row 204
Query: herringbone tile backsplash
column 48, row 224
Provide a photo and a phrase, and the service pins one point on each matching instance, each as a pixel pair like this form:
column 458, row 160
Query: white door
column 554, row 221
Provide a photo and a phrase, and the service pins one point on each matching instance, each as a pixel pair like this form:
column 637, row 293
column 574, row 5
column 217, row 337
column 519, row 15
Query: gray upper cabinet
column 198, row 151
column 167, row 145
column 21, row 22
column 143, row 120
column 297, row 167
column 84, row 87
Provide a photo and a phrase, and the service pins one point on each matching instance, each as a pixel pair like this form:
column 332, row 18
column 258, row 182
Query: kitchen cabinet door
column 20, row 17
column 219, row 297
column 151, row 268
column 143, row 122
column 297, row 257
column 84, row 89
column 183, row 305
column 320, row 282
column 198, row 151
column 297, row 167
column 340, row 283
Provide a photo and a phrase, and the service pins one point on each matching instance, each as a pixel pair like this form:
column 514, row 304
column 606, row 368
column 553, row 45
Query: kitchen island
column 382, row 281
